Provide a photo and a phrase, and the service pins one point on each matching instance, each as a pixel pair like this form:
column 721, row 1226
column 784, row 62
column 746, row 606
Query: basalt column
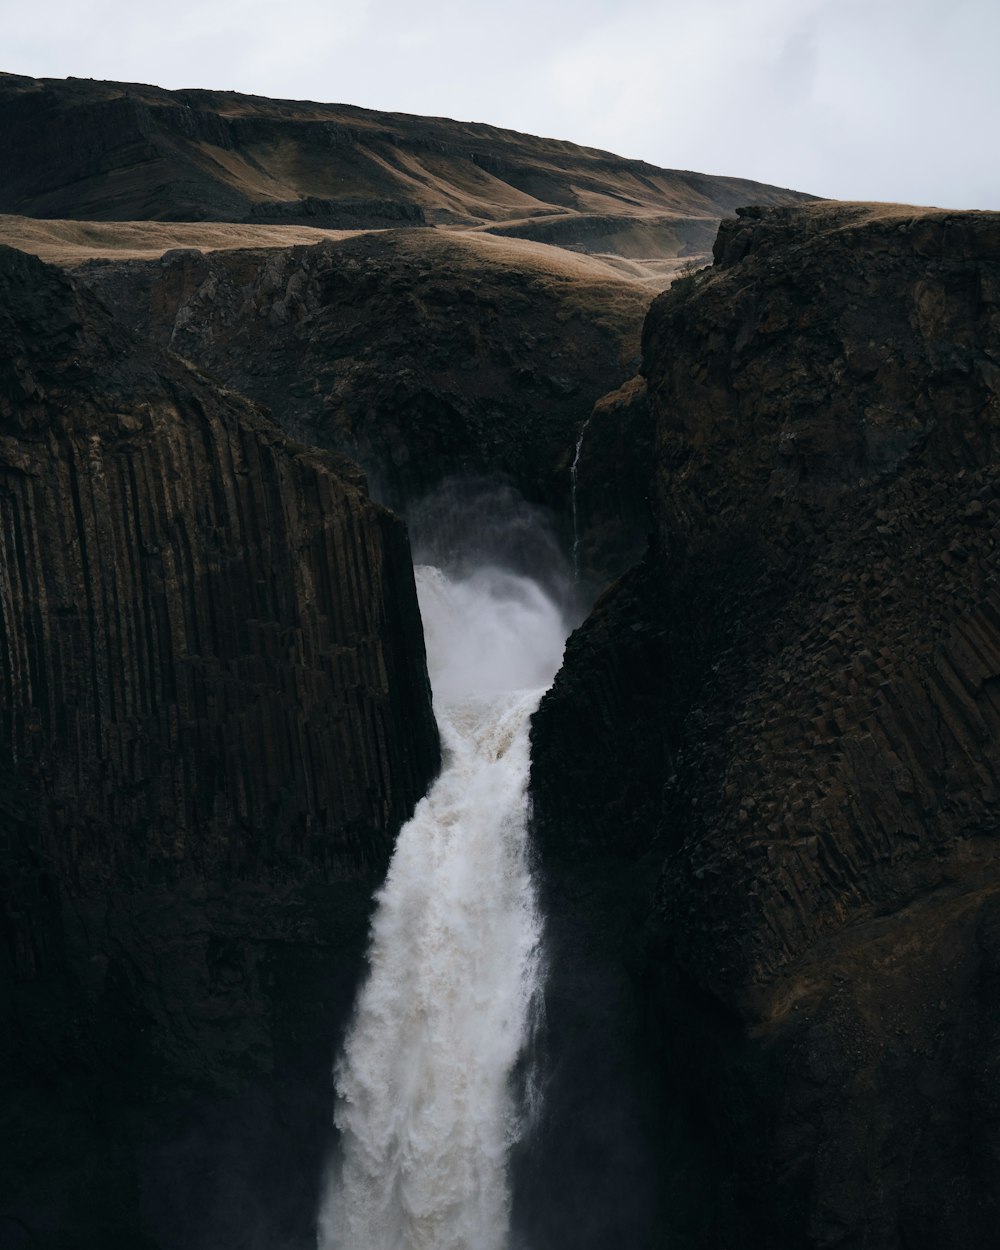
column 215, row 716
column 766, row 779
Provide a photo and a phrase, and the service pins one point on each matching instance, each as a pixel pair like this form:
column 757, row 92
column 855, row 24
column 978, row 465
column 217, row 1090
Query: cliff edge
column 790, row 714
column 215, row 716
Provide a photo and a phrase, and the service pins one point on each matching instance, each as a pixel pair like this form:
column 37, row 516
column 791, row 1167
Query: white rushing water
column 425, row 1104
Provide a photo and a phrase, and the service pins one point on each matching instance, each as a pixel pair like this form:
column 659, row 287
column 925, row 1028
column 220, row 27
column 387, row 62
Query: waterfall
column 572, row 480
column 425, row 1104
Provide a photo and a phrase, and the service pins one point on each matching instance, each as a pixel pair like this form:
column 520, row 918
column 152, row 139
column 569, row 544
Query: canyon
column 256, row 356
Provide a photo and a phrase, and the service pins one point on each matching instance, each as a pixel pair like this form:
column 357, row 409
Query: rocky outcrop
column 791, row 708
column 420, row 355
column 215, row 716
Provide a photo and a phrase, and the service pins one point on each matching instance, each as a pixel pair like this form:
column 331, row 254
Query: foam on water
column 425, row 1103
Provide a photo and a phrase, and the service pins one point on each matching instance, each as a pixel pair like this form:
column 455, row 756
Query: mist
column 431, row 1092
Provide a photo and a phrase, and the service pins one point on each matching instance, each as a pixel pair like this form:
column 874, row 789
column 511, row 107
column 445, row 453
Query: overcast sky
column 856, row 99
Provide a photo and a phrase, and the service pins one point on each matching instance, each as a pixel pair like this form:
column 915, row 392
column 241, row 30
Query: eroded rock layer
column 793, row 707
column 215, row 716
column 419, row 354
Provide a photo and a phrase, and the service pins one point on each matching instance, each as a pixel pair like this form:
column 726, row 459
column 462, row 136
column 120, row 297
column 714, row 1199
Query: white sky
column 856, row 99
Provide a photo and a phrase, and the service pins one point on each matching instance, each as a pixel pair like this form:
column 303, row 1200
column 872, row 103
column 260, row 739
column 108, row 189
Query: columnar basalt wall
column 792, row 708
column 215, row 716
column 210, row 632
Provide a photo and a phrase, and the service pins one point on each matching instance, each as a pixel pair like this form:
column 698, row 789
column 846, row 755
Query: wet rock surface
column 791, row 707
column 216, row 715
column 612, row 505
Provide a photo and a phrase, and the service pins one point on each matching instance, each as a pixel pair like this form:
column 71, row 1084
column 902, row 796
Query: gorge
column 757, row 858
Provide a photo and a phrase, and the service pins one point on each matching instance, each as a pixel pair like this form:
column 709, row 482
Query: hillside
column 69, row 242
column 107, row 151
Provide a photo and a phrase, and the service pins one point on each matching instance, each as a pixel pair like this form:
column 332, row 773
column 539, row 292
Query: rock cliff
column 790, row 714
column 765, row 782
column 420, row 355
column 215, row 716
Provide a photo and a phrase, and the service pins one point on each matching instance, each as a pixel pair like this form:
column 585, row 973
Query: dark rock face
column 792, row 706
column 215, row 716
column 612, row 506
column 766, row 779
column 419, row 355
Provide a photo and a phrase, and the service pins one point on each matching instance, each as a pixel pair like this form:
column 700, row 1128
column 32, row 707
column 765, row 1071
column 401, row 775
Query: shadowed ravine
column 425, row 1101
column 740, row 985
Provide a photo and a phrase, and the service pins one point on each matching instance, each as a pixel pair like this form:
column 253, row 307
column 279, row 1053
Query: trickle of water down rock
column 573, row 472
column 425, row 1101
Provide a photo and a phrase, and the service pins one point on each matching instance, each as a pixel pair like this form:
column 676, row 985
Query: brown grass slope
column 75, row 148
column 68, row 242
